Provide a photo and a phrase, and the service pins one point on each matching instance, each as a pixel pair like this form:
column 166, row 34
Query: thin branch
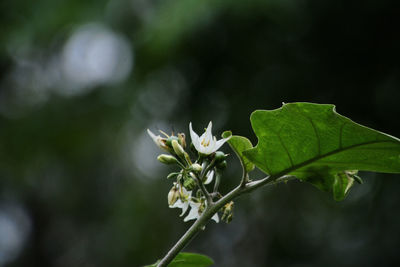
column 186, row 238
column 245, row 177
column 202, row 188
column 213, row 208
column 217, row 181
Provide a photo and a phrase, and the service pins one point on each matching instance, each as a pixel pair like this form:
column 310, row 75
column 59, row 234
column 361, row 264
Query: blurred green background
column 81, row 81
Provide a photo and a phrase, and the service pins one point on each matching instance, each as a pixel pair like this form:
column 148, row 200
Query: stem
column 184, row 240
column 212, row 208
column 190, row 234
column 203, row 189
column 245, row 177
column 217, row 181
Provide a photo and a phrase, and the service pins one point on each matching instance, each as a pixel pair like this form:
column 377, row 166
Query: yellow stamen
column 204, row 143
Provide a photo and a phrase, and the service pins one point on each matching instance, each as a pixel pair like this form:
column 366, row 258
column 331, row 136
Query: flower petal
column 184, row 208
column 215, row 218
column 194, row 137
column 194, row 212
column 210, row 176
column 155, row 138
column 208, row 132
column 219, row 143
column 177, row 204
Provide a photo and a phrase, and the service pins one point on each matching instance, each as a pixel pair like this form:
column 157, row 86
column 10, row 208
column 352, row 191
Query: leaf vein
column 285, row 148
column 341, row 135
column 307, row 162
column 314, row 128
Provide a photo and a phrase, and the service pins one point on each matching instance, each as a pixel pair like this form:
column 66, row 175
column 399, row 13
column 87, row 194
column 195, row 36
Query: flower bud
column 222, row 165
column 227, row 212
column 172, row 175
column 219, row 157
column 178, row 149
column 196, row 167
column 168, row 142
column 189, row 183
column 202, row 206
column 167, row 159
column 173, row 195
column 182, row 139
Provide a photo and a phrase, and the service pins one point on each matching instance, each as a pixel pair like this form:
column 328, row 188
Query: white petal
column 194, row 212
column 210, row 176
column 177, row 204
column 208, row 132
column 185, row 192
column 154, row 137
column 184, row 208
column 194, row 137
column 213, row 143
column 220, row 143
column 209, row 150
column 206, row 137
column 215, row 218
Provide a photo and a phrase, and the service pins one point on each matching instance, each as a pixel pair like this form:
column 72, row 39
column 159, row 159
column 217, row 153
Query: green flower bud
column 172, row 175
column 222, row 165
column 182, row 140
column 178, row 149
column 219, row 157
column 170, row 139
column 196, row 167
column 189, row 183
column 167, row 159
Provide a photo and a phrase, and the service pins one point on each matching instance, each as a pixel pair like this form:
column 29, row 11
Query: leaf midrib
column 312, row 160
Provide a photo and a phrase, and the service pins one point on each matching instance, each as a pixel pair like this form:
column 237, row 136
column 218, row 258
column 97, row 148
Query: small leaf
column 316, row 144
column 240, row 144
column 185, row 259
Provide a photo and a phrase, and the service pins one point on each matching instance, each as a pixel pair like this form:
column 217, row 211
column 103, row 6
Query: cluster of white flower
column 189, row 189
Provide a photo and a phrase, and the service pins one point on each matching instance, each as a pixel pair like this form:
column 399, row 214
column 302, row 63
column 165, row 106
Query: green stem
column 213, row 208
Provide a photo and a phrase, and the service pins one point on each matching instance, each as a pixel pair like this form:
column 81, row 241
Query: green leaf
column 240, row 144
column 316, row 144
column 185, row 259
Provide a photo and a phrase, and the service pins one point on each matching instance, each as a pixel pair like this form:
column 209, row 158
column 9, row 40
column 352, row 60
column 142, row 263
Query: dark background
column 81, row 81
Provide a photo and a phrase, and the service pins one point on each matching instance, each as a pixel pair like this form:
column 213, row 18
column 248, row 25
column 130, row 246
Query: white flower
column 210, row 176
column 195, row 212
column 183, row 200
column 160, row 141
column 182, row 205
column 206, row 144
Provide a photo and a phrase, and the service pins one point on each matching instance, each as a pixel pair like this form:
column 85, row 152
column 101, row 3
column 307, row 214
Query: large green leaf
column 185, row 259
column 238, row 145
column 316, row 144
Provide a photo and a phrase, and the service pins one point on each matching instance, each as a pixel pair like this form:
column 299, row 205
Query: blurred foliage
column 79, row 180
